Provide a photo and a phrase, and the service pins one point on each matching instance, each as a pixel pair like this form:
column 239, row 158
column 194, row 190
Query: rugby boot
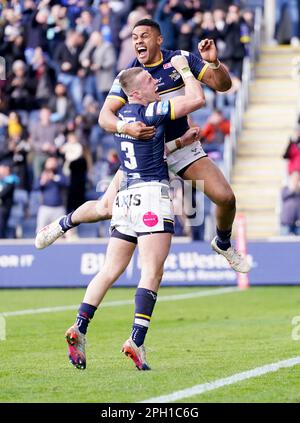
column 237, row 262
column 137, row 354
column 48, row 234
column 76, row 347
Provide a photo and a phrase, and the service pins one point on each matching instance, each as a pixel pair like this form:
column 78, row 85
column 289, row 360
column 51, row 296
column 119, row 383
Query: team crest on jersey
column 167, row 65
column 162, row 108
column 174, row 75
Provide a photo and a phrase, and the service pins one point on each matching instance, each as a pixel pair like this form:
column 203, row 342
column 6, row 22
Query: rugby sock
column 223, row 239
column 145, row 300
column 66, row 222
column 85, row 314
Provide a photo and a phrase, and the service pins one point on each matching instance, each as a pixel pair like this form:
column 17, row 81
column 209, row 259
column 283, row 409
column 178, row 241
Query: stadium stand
column 42, row 42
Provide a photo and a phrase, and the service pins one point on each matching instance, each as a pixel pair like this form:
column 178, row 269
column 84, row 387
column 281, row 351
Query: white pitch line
column 219, row 383
column 175, row 297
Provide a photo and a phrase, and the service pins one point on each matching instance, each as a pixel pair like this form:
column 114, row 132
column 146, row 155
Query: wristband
column 120, row 126
column 174, row 145
column 186, row 72
column 178, row 143
column 213, row 66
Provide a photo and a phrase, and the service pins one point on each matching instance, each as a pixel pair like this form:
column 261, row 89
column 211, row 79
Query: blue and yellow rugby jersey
column 144, row 159
column 170, row 84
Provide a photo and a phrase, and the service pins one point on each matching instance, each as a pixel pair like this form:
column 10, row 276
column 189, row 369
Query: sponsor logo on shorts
column 150, row 219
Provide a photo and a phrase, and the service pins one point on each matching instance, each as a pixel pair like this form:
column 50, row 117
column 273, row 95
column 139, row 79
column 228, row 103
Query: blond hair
column 128, row 79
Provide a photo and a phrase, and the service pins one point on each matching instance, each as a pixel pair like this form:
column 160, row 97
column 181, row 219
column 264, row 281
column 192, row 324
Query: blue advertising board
column 188, row 263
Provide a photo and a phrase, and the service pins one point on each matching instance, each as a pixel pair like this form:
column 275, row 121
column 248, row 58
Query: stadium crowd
column 61, row 57
column 290, row 193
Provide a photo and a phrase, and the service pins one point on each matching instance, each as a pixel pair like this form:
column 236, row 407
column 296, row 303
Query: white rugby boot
column 48, row 234
column 238, row 262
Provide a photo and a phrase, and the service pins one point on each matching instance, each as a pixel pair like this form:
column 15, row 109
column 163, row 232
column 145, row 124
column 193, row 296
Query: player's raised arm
column 110, row 123
column 194, row 96
column 216, row 75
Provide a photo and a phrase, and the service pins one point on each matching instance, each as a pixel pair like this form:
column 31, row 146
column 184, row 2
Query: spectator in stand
column 109, row 21
column 98, row 58
column 58, row 24
column 60, row 105
column 44, row 77
column 164, row 14
column 3, row 130
column 287, row 22
column 219, row 16
column 290, row 207
column 67, row 58
column 75, row 168
column 20, row 88
column 214, row 132
column 18, row 150
column 208, row 28
column 88, row 129
column 8, row 182
column 113, row 162
column 185, row 37
column 292, row 153
column 42, row 137
column 35, row 32
column 29, row 7
column 84, row 24
column 10, row 29
column 235, row 35
column 51, row 185
column 12, row 46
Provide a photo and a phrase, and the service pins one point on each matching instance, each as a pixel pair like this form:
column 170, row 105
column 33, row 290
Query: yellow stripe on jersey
column 142, row 315
column 172, row 110
column 117, row 97
column 202, row 72
column 171, row 89
column 169, row 220
column 156, row 63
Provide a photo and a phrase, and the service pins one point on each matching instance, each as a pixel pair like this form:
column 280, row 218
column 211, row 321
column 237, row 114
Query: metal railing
column 242, row 97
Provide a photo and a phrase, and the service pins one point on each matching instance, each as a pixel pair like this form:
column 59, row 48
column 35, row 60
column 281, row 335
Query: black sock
column 223, row 239
column 145, row 300
column 66, row 222
column 84, row 316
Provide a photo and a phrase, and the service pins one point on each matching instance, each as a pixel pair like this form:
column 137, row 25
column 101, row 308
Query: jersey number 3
column 130, row 163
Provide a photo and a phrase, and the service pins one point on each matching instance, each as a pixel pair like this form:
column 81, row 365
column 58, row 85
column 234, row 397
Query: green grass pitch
column 190, row 342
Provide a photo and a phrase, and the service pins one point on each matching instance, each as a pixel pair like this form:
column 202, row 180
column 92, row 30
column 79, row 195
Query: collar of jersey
column 156, row 63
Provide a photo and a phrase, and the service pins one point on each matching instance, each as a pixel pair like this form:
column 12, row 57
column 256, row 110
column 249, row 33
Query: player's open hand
column 139, row 130
column 208, row 50
column 191, row 135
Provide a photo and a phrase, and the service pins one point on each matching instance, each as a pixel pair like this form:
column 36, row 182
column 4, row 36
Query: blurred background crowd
column 61, row 57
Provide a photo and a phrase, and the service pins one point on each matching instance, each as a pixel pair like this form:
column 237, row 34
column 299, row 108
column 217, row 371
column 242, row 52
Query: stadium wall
column 188, row 264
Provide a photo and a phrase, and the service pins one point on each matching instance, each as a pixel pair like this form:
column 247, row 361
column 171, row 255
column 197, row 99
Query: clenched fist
column 181, row 64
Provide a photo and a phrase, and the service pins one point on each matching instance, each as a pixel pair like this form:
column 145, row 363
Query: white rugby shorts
column 142, row 209
column 180, row 159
